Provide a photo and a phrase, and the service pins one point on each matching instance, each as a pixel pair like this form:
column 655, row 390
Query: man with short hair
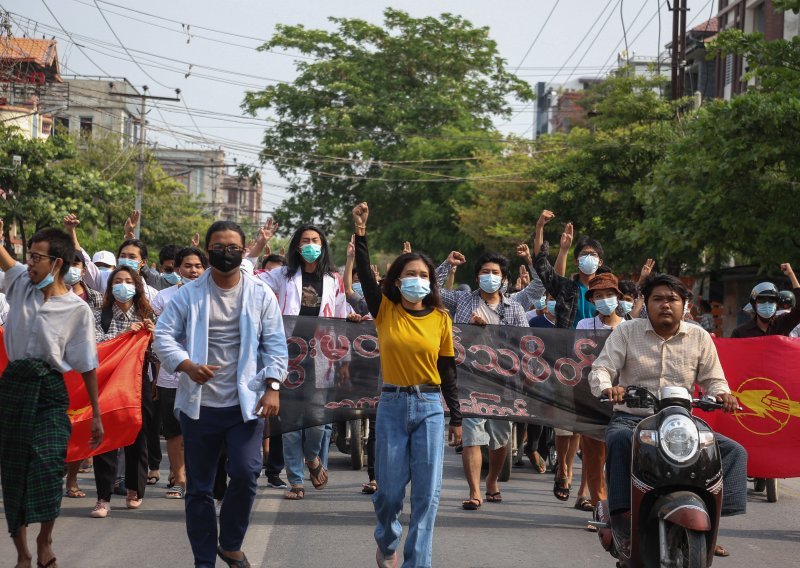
column 49, row 331
column 661, row 350
column 224, row 334
column 764, row 300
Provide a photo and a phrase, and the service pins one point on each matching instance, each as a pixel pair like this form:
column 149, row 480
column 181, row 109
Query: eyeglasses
column 36, row 258
column 230, row 249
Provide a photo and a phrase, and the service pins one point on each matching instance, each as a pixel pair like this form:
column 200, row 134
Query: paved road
column 333, row 528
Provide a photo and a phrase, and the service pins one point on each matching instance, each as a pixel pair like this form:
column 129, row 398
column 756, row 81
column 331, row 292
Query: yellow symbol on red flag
column 767, row 407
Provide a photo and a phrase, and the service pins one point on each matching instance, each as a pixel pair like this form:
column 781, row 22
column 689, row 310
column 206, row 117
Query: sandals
column 539, row 465
column 295, row 494
column 494, row 497
column 584, row 504
column 369, row 488
column 721, row 551
column 561, row 489
column 152, row 479
column 50, row 564
column 243, row 563
column 319, row 475
column 471, row 504
column 175, row 492
column 75, row 493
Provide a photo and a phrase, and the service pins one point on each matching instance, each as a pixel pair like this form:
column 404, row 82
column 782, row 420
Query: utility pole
column 142, row 137
column 678, row 10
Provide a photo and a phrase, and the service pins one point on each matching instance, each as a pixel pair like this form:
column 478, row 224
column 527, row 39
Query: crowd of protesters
column 212, row 375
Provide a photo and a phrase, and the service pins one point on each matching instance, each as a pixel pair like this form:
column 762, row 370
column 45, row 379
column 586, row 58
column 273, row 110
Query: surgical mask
column 551, row 307
column 490, row 283
column 606, row 306
column 588, row 263
column 73, row 276
column 172, row 278
column 541, row 303
column 129, row 262
column 224, row 261
column 46, row 281
column 414, row 288
column 766, row 311
column 358, row 289
column 504, row 288
column 104, row 269
column 625, row 307
column 123, row 292
column 310, row 252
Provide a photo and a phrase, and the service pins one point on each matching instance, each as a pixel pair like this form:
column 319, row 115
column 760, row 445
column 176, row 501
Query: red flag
column 119, row 383
column 764, row 374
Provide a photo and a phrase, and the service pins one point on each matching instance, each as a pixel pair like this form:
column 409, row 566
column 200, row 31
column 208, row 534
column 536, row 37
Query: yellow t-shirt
column 410, row 345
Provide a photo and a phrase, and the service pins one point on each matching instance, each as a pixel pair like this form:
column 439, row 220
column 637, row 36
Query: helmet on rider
column 786, row 300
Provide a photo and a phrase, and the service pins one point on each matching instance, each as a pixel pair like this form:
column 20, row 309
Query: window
column 62, row 125
column 729, row 69
column 233, row 196
column 759, row 21
column 86, row 126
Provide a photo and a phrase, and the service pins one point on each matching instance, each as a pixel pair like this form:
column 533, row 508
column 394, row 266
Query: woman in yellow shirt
column 415, row 336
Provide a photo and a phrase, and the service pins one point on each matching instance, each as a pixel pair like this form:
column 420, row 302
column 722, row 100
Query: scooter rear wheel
column 686, row 547
column 772, row 490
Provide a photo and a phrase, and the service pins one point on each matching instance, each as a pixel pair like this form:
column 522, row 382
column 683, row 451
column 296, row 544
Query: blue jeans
column 203, row 441
column 326, row 445
column 300, row 445
column 409, row 446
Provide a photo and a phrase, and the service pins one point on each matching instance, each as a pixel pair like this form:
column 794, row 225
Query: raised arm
column 348, row 267
column 372, row 291
column 551, row 281
column 6, row 262
column 563, row 251
column 538, row 239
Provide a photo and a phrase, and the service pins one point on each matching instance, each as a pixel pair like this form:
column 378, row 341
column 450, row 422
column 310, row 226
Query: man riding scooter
column 657, row 351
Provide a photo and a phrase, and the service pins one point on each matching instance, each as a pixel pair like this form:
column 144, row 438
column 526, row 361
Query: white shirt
column 592, row 323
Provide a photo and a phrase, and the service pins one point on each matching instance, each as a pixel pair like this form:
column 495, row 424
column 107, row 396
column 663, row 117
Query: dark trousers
column 105, row 465
column 203, row 441
column 153, row 434
column 619, row 445
column 221, row 478
column 274, row 465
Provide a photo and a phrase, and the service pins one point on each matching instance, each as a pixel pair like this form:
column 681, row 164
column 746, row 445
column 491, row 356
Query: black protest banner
column 504, row 373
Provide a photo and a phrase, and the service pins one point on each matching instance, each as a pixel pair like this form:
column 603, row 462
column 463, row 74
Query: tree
column 586, row 176
column 393, row 115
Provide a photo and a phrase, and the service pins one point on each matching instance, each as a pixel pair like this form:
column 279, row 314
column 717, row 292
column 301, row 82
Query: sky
column 207, row 50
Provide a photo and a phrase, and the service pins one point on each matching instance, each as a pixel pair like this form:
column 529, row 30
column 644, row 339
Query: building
column 749, row 16
column 556, row 108
column 200, row 171
column 95, row 108
column 31, row 88
column 700, row 73
column 243, row 200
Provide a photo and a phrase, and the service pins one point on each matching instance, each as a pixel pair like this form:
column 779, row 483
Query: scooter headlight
column 679, row 437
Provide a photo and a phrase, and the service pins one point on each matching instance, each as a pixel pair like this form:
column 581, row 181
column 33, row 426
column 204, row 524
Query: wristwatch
column 274, row 384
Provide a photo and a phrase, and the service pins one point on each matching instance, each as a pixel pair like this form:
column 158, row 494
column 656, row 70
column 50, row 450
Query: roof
column 710, row 26
column 39, row 51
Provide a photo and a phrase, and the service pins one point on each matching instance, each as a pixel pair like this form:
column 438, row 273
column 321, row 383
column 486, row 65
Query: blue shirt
column 541, row 322
column 585, row 308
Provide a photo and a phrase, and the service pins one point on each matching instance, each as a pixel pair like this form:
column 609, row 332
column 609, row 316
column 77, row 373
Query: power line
column 536, row 38
column 103, row 71
column 624, row 31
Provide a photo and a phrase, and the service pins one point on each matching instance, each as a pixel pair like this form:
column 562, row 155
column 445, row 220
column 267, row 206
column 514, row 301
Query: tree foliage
column 391, row 114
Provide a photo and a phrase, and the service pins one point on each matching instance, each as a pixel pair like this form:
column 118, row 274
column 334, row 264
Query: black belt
column 421, row 388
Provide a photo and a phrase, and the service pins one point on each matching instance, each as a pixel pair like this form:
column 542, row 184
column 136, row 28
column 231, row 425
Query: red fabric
column 764, row 375
column 119, row 380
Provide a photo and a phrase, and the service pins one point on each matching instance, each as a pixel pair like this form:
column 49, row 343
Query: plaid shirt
column 93, row 298
column 120, row 322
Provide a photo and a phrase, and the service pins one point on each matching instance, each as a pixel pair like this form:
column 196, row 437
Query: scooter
column 676, row 486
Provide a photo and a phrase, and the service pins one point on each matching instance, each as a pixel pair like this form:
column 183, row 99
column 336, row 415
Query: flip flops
column 561, row 489
column 319, row 475
column 494, row 497
column 471, row 504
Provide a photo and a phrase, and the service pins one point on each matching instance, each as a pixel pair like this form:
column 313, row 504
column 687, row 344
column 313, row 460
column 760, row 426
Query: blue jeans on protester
column 409, row 446
column 305, row 444
column 203, row 441
column 619, row 446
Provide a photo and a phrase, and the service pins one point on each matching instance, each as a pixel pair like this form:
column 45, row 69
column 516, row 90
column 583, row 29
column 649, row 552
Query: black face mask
column 224, row 261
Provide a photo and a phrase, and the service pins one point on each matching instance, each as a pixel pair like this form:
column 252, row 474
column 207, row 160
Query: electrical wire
column 624, row 31
column 92, row 61
column 536, row 38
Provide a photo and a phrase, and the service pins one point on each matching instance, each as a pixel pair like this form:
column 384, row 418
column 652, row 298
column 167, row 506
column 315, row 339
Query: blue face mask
column 104, row 269
column 123, row 292
column 46, row 281
column 606, row 306
column 172, row 278
column 490, row 283
column 541, row 303
column 310, row 252
column 767, row 310
column 73, row 276
column 358, row 289
column 551, row 307
column 588, row 264
column 625, row 307
column 130, row 263
column 414, row 289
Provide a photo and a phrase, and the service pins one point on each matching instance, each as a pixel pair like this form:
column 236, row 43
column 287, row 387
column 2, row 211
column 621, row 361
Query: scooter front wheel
column 687, row 548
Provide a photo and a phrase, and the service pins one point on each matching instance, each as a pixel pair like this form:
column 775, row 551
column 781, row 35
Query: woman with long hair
column 415, row 335
column 309, row 286
column 125, row 309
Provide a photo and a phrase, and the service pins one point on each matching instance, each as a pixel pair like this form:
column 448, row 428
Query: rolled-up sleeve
column 607, row 366
column 710, row 375
column 170, row 334
column 273, row 354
